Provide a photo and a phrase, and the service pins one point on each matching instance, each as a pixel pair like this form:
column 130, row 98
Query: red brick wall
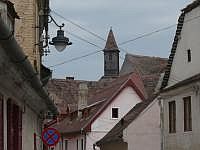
column 1, row 123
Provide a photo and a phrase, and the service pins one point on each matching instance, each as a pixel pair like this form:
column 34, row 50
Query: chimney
column 82, row 96
column 69, row 78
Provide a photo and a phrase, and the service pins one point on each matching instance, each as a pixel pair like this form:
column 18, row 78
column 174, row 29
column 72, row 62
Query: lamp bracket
column 53, row 20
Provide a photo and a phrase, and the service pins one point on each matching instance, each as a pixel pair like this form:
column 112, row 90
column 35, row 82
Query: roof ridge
column 142, row 56
column 191, row 6
column 173, row 50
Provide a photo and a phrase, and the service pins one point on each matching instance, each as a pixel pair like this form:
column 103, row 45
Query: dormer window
column 189, row 57
column 115, row 113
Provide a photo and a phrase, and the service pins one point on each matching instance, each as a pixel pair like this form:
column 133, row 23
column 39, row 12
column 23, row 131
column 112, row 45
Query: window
column 172, row 117
column 66, row 145
column 189, row 55
column 187, row 114
column 115, row 113
column 110, row 56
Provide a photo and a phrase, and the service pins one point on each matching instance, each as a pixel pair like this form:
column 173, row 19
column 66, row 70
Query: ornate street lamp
column 60, row 41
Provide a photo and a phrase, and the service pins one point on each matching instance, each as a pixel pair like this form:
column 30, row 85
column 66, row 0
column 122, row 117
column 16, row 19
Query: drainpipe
column 17, row 56
column 161, row 122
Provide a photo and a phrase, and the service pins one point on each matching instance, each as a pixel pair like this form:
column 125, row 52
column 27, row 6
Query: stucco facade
column 125, row 101
column 188, row 40
column 23, row 98
column 31, row 123
column 183, row 82
column 181, row 140
column 144, row 132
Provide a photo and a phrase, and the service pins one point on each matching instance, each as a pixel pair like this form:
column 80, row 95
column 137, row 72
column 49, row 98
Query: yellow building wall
column 27, row 31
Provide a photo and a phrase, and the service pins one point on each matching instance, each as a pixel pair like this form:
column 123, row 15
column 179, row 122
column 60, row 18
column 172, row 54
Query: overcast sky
column 128, row 18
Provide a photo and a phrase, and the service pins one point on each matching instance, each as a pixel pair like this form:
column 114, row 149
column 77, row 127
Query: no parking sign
column 50, row 136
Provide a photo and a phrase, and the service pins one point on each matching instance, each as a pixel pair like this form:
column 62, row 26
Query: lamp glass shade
column 60, row 46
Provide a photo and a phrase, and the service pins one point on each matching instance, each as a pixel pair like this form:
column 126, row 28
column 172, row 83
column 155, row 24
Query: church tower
column 111, row 57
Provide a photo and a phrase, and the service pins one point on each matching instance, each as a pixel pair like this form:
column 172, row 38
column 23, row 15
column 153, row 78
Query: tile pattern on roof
column 148, row 67
column 65, row 92
column 173, row 50
column 101, row 98
column 191, row 6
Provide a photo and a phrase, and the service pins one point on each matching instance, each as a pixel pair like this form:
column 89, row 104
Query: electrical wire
column 96, row 35
column 82, row 39
column 83, row 28
column 79, row 26
column 147, row 34
column 76, row 58
column 128, row 41
column 156, row 31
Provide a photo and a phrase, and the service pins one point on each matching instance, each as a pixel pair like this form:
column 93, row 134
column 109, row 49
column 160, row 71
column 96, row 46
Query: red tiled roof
column 65, row 92
column 106, row 96
column 148, row 67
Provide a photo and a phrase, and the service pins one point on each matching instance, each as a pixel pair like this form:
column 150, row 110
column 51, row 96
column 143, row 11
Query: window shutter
column 14, row 126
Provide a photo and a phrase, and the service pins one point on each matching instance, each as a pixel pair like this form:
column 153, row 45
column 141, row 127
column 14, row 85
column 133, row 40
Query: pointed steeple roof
column 111, row 43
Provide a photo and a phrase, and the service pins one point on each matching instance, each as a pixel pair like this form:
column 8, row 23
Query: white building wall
column 31, row 124
column 144, row 132
column 125, row 101
column 189, row 39
column 182, row 140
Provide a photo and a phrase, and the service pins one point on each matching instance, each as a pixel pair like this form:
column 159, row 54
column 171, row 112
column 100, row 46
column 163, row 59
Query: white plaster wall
column 190, row 35
column 144, row 132
column 93, row 137
column 30, row 124
column 182, row 140
column 125, row 101
column 71, row 143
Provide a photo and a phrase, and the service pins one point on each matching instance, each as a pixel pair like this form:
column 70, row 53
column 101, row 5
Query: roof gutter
column 16, row 54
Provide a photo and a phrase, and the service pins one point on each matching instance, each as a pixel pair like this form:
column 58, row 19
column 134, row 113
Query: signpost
column 50, row 137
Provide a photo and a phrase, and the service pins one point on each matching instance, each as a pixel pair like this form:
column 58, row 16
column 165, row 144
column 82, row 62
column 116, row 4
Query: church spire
column 111, row 43
column 111, row 57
